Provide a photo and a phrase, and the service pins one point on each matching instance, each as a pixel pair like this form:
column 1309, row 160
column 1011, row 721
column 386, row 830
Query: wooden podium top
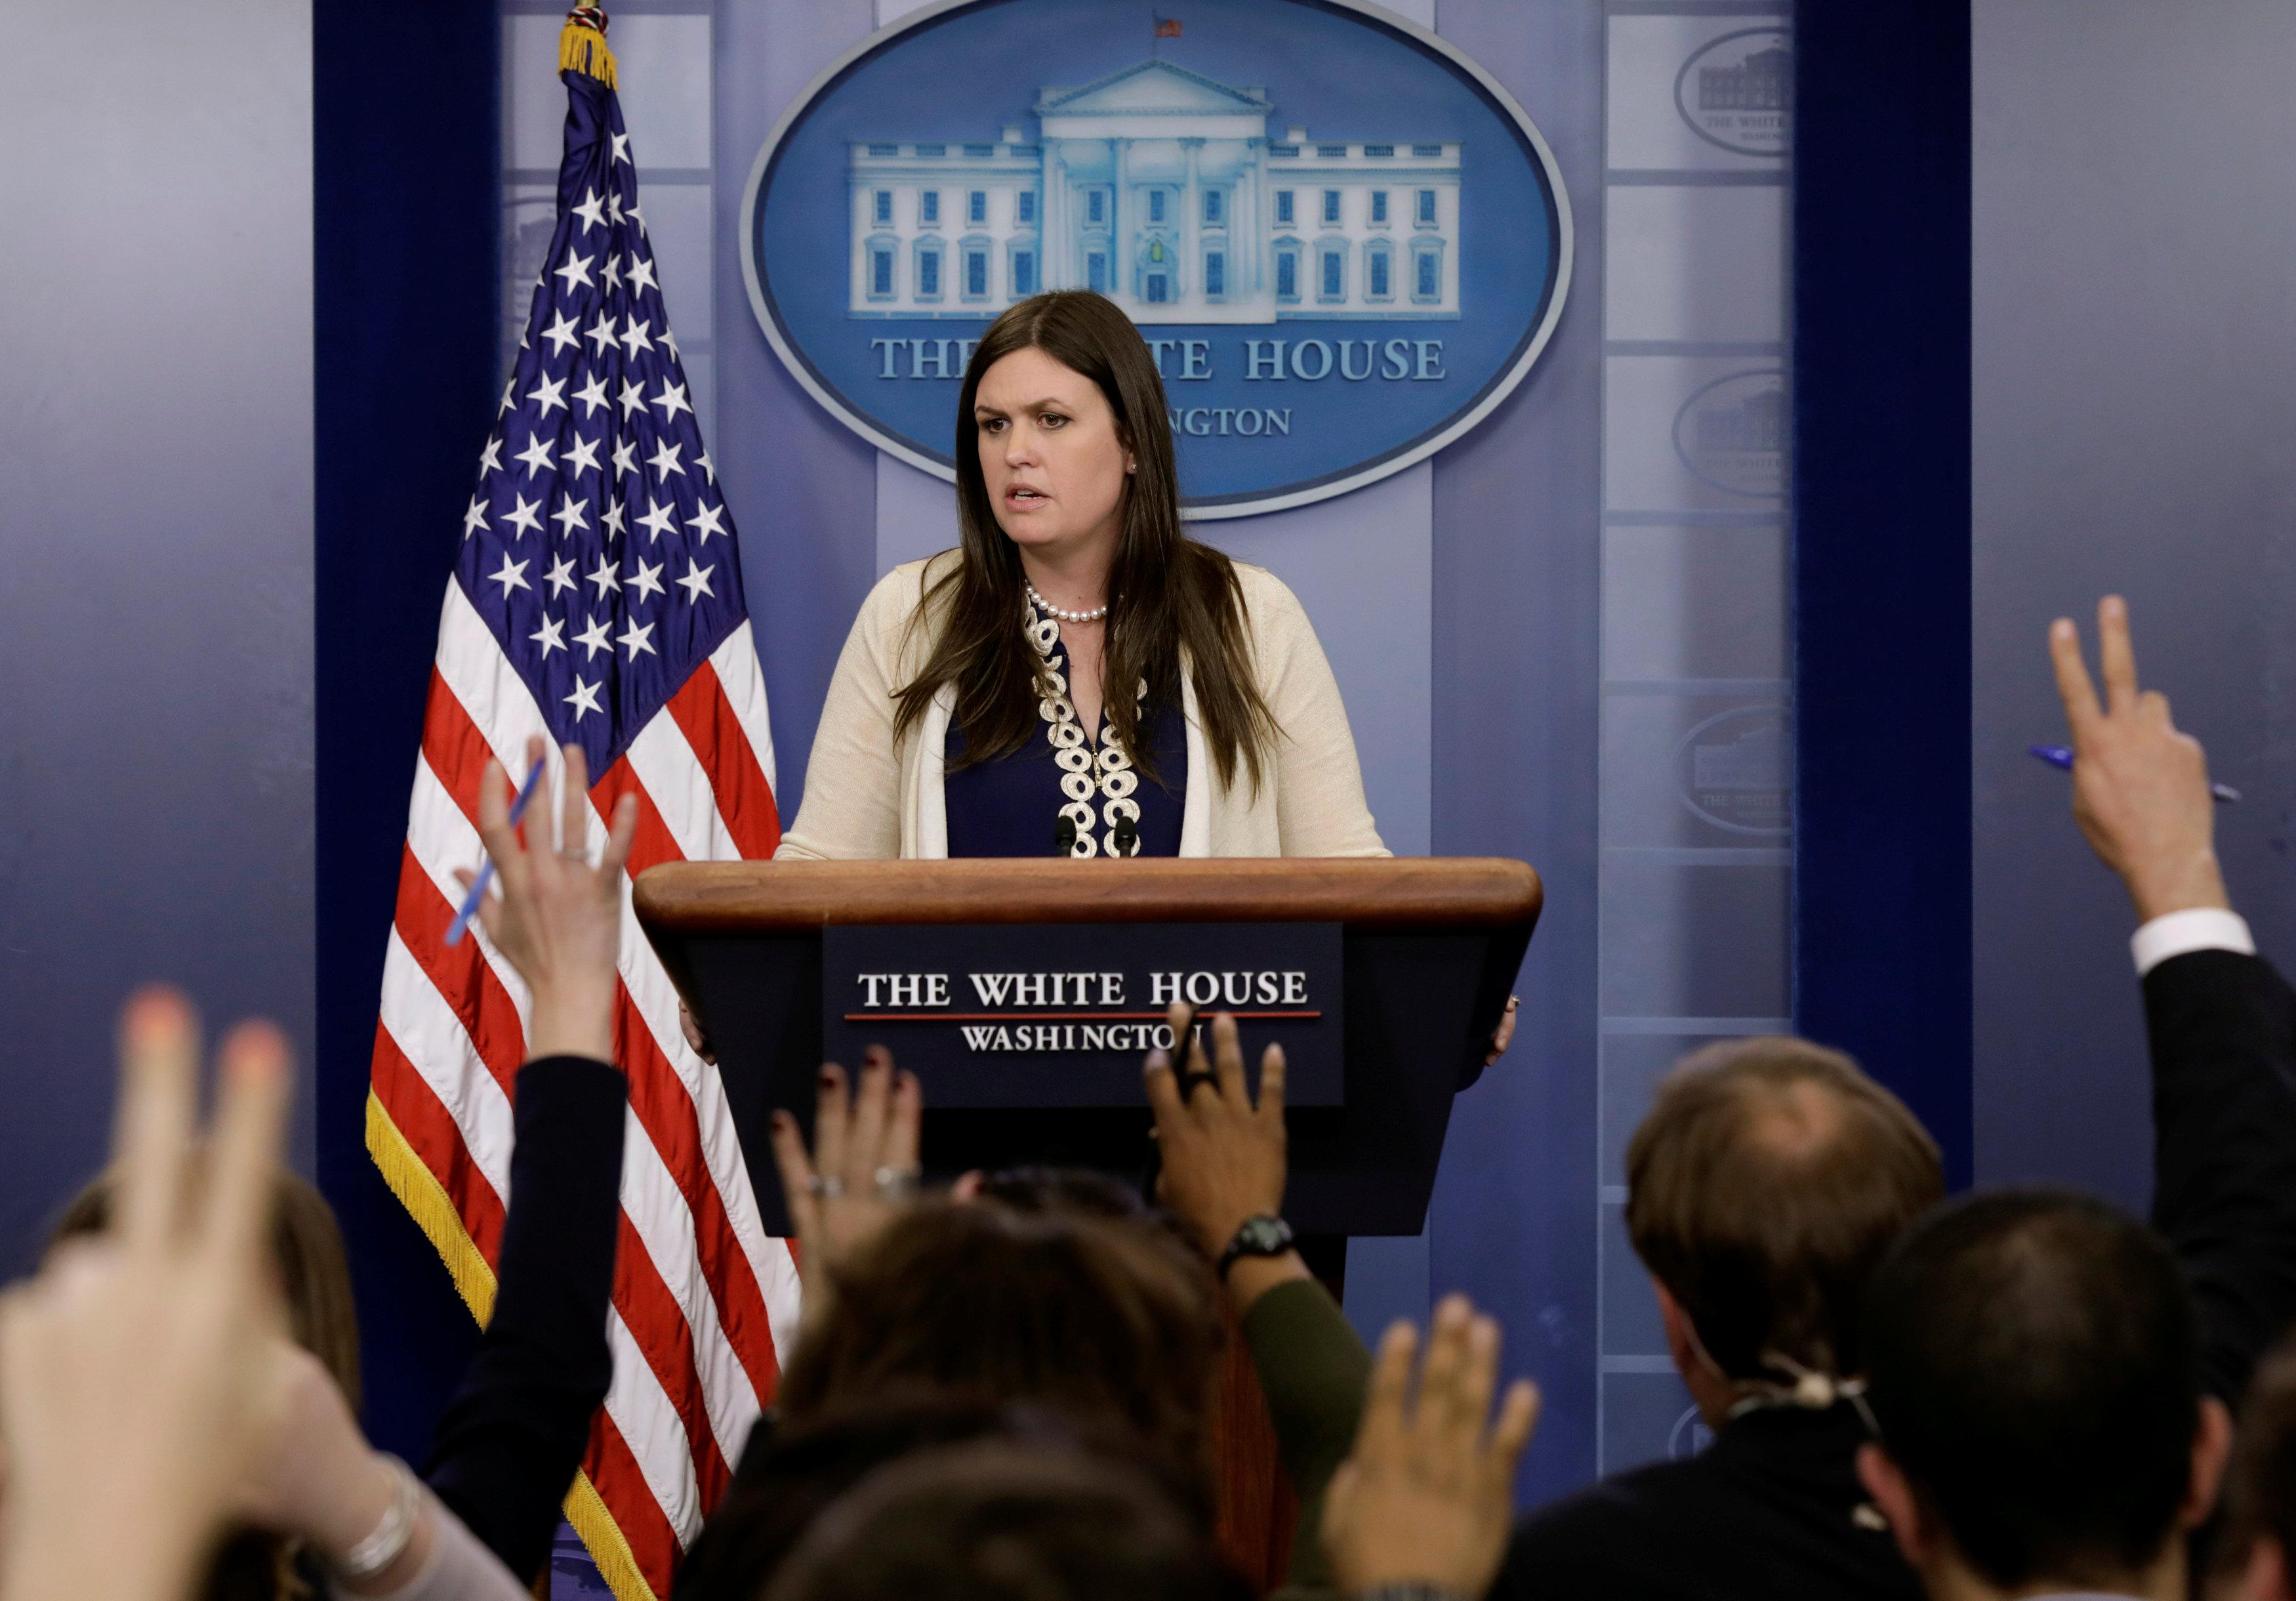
column 1463, row 893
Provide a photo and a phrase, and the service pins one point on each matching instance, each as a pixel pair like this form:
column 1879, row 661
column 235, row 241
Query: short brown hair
column 993, row 1521
column 1763, row 1186
column 1106, row 1320
column 2260, row 1486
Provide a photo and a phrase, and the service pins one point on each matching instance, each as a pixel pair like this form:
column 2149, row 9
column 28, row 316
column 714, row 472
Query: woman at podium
column 1078, row 677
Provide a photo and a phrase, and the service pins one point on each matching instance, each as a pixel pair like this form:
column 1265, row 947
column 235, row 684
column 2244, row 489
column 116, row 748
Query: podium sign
column 1052, row 1015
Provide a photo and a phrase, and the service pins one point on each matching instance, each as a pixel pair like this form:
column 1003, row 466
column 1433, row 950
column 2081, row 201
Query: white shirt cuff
column 2196, row 927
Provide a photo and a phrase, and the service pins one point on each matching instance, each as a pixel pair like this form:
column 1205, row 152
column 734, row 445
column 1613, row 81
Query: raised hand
column 1223, row 1158
column 1427, row 1495
column 862, row 1167
column 130, row 1369
column 558, row 919
column 2140, row 788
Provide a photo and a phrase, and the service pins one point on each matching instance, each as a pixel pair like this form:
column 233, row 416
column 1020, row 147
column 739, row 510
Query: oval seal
column 1345, row 242
column 1732, row 434
column 1731, row 770
column 1737, row 90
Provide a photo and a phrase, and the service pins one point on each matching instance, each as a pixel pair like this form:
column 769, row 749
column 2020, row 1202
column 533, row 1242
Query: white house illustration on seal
column 1159, row 188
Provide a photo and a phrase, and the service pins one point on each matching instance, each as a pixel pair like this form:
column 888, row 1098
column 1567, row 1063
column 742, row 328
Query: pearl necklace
column 1094, row 615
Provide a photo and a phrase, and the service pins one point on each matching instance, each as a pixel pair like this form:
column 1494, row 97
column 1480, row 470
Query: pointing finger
column 2073, row 685
column 1227, row 1056
column 797, row 1175
column 159, row 1071
column 242, row 1174
column 2116, row 657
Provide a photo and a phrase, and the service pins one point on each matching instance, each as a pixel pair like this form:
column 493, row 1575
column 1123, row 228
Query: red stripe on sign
column 660, row 1327
column 645, row 1527
column 461, row 974
column 430, row 1132
column 665, row 1111
column 653, row 844
column 744, row 798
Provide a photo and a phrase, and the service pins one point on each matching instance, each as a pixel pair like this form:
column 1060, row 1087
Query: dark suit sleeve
column 511, row 1440
column 2223, row 1031
column 1314, row 1371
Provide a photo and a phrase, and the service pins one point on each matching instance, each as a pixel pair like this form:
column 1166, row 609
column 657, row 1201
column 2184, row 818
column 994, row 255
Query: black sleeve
column 2223, row 1033
column 512, row 1438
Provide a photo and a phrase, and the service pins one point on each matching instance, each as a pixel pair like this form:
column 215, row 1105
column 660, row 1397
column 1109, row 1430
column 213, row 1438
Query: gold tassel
column 582, row 45
column 418, row 1189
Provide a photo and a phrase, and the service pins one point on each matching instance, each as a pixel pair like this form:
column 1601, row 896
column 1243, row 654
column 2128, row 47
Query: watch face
column 1263, row 1237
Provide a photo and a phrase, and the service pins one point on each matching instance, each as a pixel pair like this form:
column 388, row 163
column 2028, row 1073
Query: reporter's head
column 994, row 1522
column 313, row 1272
column 1109, row 1320
column 1768, row 1178
column 2257, row 1556
column 2033, row 1364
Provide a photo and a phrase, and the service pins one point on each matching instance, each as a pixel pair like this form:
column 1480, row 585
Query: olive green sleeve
column 1313, row 1369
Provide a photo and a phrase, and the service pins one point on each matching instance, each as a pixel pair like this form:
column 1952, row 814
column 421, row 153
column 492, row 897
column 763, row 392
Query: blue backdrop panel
column 1880, row 561
column 405, row 183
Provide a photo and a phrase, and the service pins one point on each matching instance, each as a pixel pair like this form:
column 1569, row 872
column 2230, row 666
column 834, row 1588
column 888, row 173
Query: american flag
column 597, row 599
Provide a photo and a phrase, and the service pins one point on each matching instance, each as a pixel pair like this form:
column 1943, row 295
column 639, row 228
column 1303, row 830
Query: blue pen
column 478, row 895
column 2062, row 756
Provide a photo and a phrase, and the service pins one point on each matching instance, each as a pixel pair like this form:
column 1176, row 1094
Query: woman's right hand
column 558, row 919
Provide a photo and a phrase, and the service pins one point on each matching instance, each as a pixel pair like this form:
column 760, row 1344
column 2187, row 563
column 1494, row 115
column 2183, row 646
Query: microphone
column 1064, row 836
column 1127, row 838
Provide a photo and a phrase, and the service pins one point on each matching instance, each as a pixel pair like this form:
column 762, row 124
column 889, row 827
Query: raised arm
column 1223, row 1167
column 2222, row 1024
column 510, row 1441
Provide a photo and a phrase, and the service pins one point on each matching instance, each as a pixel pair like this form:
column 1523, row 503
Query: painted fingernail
column 1161, row 1058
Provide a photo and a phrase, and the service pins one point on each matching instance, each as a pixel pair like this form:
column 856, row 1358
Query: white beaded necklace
column 1094, row 615
column 1106, row 774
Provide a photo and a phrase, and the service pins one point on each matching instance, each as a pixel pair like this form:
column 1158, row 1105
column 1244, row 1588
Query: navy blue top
column 1011, row 805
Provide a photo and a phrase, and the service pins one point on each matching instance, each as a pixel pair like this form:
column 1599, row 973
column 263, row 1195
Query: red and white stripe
column 703, row 1300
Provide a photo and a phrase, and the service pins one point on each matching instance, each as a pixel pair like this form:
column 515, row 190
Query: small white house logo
column 1344, row 242
column 1163, row 190
column 1689, row 1436
column 1732, row 433
column 1737, row 90
column 1731, row 771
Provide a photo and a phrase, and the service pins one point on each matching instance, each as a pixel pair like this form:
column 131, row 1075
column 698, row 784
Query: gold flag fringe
column 426, row 1200
column 582, row 46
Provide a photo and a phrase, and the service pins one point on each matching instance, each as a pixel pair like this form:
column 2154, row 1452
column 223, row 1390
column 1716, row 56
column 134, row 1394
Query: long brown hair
column 314, row 1283
column 1167, row 594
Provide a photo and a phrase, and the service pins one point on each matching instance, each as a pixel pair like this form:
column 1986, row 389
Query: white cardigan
column 869, row 796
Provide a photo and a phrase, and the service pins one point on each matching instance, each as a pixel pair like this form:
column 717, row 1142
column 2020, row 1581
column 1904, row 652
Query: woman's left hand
column 1503, row 1036
column 862, row 1167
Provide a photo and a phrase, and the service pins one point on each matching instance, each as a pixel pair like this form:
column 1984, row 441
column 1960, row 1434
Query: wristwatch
column 1262, row 1235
